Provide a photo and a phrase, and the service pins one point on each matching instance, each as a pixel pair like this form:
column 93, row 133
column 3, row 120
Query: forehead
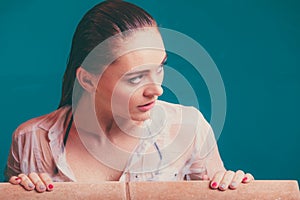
column 142, row 48
column 147, row 38
column 138, row 59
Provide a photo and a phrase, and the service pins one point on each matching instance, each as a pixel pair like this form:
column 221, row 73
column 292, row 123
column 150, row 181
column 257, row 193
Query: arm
column 207, row 163
column 13, row 172
column 13, row 161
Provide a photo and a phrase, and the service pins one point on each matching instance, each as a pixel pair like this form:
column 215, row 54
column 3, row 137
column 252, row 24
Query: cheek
column 103, row 95
column 118, row 97
column 135, row 99
column 122, row 98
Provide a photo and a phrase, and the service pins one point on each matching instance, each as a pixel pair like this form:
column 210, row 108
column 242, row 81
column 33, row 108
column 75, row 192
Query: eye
column 160, row 68
column 136, row 80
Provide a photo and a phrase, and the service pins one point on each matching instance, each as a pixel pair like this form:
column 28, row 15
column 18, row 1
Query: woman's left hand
column 228, row 179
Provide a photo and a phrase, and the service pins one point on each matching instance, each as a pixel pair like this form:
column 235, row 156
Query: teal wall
column 254, row 43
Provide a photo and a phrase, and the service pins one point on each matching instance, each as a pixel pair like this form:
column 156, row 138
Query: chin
column 140, row 116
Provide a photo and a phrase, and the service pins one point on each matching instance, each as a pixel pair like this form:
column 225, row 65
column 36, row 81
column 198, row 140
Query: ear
column 86, row 79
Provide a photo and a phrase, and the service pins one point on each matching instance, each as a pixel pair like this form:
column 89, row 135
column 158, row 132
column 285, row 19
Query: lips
column 147, row 106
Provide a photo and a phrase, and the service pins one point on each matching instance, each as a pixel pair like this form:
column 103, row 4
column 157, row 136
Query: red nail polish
column 214, row 185
column 245, row 179
column 17, row 179
column 50, row 186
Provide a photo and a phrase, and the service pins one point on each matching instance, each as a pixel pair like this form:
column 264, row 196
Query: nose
column 153, row 90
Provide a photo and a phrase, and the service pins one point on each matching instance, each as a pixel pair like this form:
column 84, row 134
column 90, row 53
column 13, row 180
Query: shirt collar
column 56, row 122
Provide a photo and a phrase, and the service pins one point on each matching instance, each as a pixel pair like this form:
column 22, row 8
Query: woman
column 109, row 125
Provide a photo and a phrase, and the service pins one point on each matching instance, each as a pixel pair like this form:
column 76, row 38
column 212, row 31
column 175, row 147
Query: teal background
column 254, row 43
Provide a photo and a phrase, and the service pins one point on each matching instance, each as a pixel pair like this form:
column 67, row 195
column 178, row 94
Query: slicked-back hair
column 104, row 20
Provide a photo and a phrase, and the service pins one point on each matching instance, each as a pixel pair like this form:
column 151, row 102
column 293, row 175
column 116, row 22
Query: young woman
column 109, row 125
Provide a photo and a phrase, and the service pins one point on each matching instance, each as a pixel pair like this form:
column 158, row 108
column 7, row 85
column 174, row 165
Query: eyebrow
column 143, row 71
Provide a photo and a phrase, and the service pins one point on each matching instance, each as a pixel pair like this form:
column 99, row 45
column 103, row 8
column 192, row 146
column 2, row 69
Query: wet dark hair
column 104, row 20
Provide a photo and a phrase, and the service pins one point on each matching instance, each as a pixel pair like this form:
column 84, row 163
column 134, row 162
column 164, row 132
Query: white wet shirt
column 177, row 144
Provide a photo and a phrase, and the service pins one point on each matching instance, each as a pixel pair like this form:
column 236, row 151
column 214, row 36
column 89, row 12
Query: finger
column 227, row 179
column 26, row 182
column 215, row 182
column 205, row 177
column 47, row 181
column 15, row 180
column 248, row 178
column 39, row 184
column 237, row 179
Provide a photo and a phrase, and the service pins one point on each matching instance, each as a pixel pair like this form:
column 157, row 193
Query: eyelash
column 137, row 79
column 133, row 80
column 161, row 68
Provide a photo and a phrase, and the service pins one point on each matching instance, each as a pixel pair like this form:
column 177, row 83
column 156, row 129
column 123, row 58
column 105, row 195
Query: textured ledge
column 275, row 190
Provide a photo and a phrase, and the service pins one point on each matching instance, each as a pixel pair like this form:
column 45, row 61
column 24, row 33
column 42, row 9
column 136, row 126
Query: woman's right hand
column 40, row 182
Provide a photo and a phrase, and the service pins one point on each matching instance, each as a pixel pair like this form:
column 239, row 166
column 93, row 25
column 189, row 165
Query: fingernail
column 50, row 186
column 222, row 186
column 17, row 179
column 30, row 185
column 233, row 184
column 245, row 179
column 42, row 187
column 214, row 185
